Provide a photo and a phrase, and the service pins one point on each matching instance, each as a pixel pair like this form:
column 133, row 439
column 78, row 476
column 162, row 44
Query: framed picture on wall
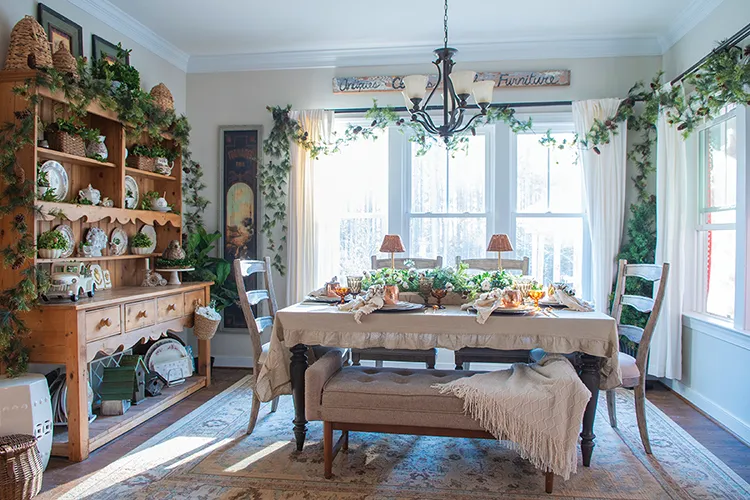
column 61, row 30
column 239, row 156
column 101, row 48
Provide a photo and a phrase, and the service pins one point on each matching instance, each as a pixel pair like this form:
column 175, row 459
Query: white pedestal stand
column 174, row 277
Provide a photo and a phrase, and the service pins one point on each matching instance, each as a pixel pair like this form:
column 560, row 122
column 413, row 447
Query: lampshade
column 463, row 81
column 483, row 91
column 499, row 243
column 392, row 244
column 415, row 87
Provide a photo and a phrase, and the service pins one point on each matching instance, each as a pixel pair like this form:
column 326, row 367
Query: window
column 717, row 213
column 548, row 216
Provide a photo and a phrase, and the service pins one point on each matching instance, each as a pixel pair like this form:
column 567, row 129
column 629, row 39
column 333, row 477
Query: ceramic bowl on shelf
column 140, row 251
column 50, row 253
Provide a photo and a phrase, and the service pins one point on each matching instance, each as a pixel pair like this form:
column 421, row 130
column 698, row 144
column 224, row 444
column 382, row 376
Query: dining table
column 590, row 337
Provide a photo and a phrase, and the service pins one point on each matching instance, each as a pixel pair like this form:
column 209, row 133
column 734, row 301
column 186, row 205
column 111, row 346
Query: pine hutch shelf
column 145, row 173
column 51, row 154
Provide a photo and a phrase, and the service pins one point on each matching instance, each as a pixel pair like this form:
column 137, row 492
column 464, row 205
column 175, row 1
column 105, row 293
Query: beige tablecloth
column 321, row 324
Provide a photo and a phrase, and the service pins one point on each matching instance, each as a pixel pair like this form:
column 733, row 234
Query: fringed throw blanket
column 538, row 407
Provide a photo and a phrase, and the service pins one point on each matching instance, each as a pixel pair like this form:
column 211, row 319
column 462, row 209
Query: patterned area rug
column 207, row 455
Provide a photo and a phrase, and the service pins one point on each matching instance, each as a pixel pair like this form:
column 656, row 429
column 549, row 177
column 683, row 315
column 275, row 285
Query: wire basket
column 67, row 143
column 162, row 97
column 20, row 467
column 29, row 47
column 205, row 328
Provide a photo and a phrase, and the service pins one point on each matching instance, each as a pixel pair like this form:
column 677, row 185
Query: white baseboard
column 233, row 362
column 738, row 427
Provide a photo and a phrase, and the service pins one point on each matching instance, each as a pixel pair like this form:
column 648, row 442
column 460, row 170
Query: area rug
column 207, row 455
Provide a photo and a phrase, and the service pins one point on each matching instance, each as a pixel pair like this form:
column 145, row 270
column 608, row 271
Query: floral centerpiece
column 490, row 280
column 206, row 321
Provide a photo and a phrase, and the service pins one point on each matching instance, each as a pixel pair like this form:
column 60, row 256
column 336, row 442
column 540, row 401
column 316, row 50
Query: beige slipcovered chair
column 380, row 354
column 463, row 357
column 634, row 369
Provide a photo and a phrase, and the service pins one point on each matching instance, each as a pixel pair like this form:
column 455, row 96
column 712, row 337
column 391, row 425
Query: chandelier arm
column 469, row 123
column 425, row 120
column 456, row 122
column 434, row 87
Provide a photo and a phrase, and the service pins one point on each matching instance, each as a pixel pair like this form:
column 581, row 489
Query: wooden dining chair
column 634, row 369
column 463, row 357
column 380, row 354
column 255, row 325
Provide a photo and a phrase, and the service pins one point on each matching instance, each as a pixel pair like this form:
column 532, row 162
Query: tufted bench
column 387, row 400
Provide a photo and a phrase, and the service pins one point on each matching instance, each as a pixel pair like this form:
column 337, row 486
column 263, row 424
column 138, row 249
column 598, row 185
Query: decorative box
column 26, row 408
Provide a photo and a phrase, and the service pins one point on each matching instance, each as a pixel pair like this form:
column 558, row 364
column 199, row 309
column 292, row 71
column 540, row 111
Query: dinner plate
column 551, row 303
column 510, row 310
column 70, row 240
column 151, row 233
column 401, row 307
column 118, row 240
column 58, row 178
column 324, row 300
column 132, row 195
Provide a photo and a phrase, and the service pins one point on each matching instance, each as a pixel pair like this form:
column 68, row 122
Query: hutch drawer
column 193, row 300
column 169, row 307
column 139, row 314
column 102, row 323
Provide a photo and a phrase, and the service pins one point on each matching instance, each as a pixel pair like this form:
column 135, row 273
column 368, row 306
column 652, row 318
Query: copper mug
column 512, row 298
column 331, row 288
column 391, row 294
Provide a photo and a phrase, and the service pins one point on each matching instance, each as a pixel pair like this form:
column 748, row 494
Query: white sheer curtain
column 604, row 192
column 665, row 359
column 301, row 232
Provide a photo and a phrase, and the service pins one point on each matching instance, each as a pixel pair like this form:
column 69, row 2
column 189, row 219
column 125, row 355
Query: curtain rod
column 737, row 37
column 430, row 108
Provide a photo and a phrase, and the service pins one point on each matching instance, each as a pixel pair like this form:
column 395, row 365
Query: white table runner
column 321, row 324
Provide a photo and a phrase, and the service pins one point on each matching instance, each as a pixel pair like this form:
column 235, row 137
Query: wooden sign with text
column 510, row 79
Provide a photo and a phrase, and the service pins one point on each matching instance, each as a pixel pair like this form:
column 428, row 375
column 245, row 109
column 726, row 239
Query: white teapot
column 91, row 194
column 161, row 204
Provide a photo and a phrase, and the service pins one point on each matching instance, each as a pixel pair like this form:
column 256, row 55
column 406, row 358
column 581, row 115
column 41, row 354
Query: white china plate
column 70, row 240
column 58, row 178
column 401, row 307
column 107, row 279
column 98, row 275
column 324, row 300
column 164, row 351
column 98, row 239
column 151, row 233
column 510, row 310
column 132, row 186
column 122, row 247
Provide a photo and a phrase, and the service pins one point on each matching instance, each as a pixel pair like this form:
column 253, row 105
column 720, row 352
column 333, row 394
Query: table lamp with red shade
column 392, row 244
column 499, row 243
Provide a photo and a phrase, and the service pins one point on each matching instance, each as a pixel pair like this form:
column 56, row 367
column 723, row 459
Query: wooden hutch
column 72, row 333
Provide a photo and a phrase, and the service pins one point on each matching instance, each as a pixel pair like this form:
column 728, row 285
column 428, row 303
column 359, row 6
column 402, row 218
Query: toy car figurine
column 70, row 280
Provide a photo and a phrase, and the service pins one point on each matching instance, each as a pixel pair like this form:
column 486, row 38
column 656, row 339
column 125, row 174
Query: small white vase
column 50, row 253
column 98, row 148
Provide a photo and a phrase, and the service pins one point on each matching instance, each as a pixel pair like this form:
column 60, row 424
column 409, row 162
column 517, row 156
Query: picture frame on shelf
column 60, row 29
column 104, row 48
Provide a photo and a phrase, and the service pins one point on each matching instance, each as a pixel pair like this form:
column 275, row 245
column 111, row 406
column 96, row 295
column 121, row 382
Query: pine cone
column 20, row 219
column 19, row 173
column 18, row 263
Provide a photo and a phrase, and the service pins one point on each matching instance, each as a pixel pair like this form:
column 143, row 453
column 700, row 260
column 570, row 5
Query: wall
column 153, row 68
column 240, row 98
column 716, row 359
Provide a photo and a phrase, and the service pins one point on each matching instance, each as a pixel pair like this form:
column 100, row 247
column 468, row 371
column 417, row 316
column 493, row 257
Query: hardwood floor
column 720, row 442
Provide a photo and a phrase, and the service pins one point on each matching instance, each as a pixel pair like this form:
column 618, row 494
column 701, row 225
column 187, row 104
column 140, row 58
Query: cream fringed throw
column 538, row 407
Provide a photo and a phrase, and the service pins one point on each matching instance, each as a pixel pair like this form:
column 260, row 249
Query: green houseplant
column 140, row 244
column 51, row 244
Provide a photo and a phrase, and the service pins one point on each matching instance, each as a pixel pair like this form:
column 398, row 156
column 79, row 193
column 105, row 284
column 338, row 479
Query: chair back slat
column 254, row 297
column 633, row 333
column 400, row 263
column 643, row 304
column 263, row 322
column 648, row 272
column 249, row 267
column 521, row 265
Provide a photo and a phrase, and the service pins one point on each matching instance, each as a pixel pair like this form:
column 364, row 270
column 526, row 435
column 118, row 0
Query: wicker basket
column 29, row 47
column 65, row 63
column 205, row 328
column 162, row 97
column 67, row 143
column 142, row 162
column 20, row 467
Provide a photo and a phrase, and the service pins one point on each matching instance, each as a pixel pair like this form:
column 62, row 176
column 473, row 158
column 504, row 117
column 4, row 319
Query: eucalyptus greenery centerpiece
column 490, row 280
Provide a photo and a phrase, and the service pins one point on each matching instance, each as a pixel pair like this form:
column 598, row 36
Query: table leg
column 590, row 375
column 297, row 371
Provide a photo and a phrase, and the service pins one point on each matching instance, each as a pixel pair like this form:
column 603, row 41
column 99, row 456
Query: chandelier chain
column 445, row 25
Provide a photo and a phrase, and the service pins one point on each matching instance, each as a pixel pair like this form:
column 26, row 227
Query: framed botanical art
column 101, row 48
column 239, row 155
column 61, row 30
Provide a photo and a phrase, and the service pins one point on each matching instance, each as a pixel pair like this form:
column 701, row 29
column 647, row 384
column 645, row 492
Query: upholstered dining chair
column 255, row 325
column 634, row 369
column 380, row 354
column 463, row 357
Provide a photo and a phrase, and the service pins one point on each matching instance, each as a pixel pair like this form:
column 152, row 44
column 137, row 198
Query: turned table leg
column 77, row 373
column 297, row 372
column 590, row 375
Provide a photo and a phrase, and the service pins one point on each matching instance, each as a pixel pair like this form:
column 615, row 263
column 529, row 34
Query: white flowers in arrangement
column 208, row 312
column 486, row 285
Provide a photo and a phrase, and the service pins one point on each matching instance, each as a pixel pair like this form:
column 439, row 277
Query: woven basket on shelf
column 142, row 162
column 29, row 47
column 64, row 62
column 205, row 328
column 162, row 97
column 20, row 467
column 67, row 143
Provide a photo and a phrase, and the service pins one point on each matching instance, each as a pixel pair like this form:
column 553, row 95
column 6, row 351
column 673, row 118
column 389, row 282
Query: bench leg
column 345, row 440
column 328, row 449
column 549, row 481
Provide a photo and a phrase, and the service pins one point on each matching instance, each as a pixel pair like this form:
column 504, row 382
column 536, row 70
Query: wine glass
column 342, row 292
column 439, row 294
column 536, row 295
column 425, row 288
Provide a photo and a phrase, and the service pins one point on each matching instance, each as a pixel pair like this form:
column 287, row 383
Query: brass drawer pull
column 105, row 322
column 141, row 314
column 171, row 307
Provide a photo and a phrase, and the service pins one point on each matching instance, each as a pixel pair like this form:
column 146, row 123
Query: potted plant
column 69, row 137
column 44, row 191
column 51, row 244
column 140, row 244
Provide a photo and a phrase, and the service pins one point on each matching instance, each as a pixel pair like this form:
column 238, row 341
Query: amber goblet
column 536, row 295
column 342, row 292
column 439, row 294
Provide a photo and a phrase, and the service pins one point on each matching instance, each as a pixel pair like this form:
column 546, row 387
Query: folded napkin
column 320, row 292
column 373, row 300
column 486, row 304
column 572, row 302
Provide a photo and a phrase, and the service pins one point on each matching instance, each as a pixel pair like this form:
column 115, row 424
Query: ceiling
column 251, row 34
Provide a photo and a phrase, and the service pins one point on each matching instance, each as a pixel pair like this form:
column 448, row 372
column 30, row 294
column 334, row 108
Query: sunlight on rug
column 206, row 454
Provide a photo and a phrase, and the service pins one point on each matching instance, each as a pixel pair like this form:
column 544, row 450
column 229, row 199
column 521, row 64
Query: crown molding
column 126, row 24
column 686, row 20
column 420, row 54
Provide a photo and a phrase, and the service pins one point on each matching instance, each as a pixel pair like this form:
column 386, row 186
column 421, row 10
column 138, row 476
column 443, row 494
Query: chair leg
column 355, row 358
column 378, row 363
column 275, row 404
column 430, row 362
column 253, row 414
column 549, row 481
column 459, row 362
column 345, row 444
column 640, row 416
column 612, row 407
column 328, row 449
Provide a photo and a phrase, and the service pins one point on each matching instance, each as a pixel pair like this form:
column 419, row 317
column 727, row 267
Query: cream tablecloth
column 321, row 324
